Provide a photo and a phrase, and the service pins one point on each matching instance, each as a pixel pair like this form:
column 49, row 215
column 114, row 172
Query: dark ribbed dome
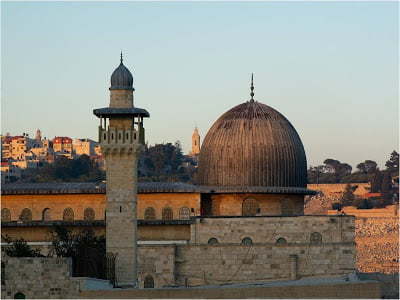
column 121, row 78
column 252, row 145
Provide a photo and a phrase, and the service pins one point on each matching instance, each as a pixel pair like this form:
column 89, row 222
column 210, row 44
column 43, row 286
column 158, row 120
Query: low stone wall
column 198, row 265
column 38, row 278
column 389, row 283
column 342, row 290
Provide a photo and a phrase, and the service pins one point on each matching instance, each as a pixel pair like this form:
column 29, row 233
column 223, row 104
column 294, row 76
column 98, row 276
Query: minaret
column 195, row 142
column 38, row 135
column 121, row 139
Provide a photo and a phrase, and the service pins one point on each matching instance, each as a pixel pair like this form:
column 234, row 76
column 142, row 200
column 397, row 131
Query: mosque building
column 245, row 213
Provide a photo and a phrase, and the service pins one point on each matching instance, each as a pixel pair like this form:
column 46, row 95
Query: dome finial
column 121, row 57
column 252, row 89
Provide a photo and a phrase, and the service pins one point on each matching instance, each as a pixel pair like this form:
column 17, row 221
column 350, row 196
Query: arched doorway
column 148, row 282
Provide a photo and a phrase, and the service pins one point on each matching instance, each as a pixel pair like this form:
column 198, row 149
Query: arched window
column 46, row 214
column 167, row 213
column 19, row 296
column 315, row 238
column 88, row 214
column 213, row 241
column 5, row 215
column 150, row 213
column 148, row 282
column 184, row 213
column 26, row 215
column 68, row 214
column 250, row 207
column 247, row 241
column 281, row 241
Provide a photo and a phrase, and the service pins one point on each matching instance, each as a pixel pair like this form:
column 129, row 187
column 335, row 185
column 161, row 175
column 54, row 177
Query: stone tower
column 38, row 135
column 195, row 142
column 121, row 136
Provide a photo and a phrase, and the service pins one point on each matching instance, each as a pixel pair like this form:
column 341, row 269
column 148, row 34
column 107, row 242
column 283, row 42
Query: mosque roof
column 143, row 188
column 253, row 146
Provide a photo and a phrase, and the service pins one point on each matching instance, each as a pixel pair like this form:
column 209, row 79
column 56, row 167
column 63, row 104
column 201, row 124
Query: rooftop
column 143, row 188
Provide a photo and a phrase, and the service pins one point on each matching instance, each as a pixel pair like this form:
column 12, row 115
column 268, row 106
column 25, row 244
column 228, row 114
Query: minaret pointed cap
column 252, row 89
column 121, row 57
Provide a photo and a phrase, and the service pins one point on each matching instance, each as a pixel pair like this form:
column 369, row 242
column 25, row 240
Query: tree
column 386, row 188
column 376, row 182
column 368, row 166
column 392, row 164
column 331, row 165
column 87, row 251
column 20, row 248
column 348, row 196
column 338, row 169
column 165, row 162
column 67, row 243
column 82, row 169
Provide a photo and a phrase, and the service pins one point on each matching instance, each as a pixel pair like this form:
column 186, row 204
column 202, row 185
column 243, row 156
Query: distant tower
column 195, row 142
column 121, row 140
column 38, row 135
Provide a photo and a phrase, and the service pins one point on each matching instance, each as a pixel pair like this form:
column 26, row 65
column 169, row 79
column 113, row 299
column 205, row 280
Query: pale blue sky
column 330, row 68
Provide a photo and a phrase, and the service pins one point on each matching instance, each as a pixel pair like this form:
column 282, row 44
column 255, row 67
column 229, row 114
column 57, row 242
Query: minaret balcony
column 114, row 136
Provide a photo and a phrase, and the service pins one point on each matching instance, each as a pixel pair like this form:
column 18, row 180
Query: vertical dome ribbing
column 252, row 145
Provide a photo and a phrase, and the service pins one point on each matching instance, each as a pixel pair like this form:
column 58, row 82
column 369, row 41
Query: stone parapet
column 40, row 278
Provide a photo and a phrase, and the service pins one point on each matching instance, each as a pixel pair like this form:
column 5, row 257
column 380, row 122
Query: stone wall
column 228, row 261
column 202, row 265
column 38, row 278
column 158, row 262
column 56, row 203
column 146, row 232
column 269, row 204
column 316, row 290
column 334, row 229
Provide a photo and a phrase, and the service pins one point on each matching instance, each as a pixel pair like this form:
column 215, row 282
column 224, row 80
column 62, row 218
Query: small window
column 5, row 215
column 127, row 135
column 88, row 214
column 149, row 213
column 212, row 241
column 148, row 282
column 167, row 213
column 26, row 215
column 46, row 214
column 247, row 241
column 68, row 215
column 105, row 136
column 112, row 136
column 315, row 238
column 119, row 136
column 281, row 241
column 184, row 213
